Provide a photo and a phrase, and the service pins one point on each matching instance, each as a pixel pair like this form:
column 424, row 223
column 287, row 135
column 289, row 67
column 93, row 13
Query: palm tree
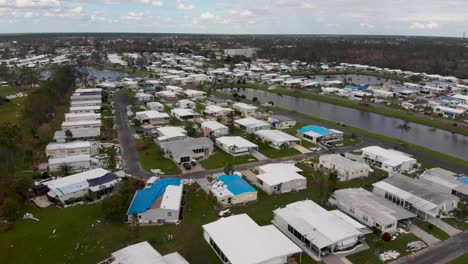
column 405, row 127
column 112, row 154
column 65, row 169
column 68, row 135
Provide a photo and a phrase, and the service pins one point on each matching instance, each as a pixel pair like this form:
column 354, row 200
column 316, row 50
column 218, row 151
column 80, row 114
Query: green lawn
column 457, row 224
column 377, row 246
column 7, row 90
column 431, row 229
column 150, row 158
column 460, row 260
column 273, row 153
column 80, row 238
column 219, row 159
column 11, row 111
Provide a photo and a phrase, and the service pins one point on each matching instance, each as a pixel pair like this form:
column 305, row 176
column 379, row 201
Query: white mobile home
column 82, row 117
column 280, row 178
column 370, row 209
column 388, row 159
column 277, row 138
column 185, row 114
column 213, row 128
column 232, row 190
column 69, row 125
column 246, row 109
column 239, row 240
column 317, row 231
column 345, row 168
column 58, row 150
column 152, row 117
column 236, row 145
column 155, row 106
column 77, row 163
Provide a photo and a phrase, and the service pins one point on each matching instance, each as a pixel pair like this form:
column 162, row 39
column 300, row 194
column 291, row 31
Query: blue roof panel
column 356, row 88
column 317, row 129
column 145, row 198
column 463, row 179
column 236, row 184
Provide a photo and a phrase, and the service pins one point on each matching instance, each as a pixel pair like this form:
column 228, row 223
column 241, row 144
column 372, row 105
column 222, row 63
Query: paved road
column 131, row 161
column 441, row 253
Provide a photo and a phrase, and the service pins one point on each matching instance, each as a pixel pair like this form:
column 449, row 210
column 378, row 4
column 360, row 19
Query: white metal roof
column 88, row 102
column 172, row 197
column 212, row 109
column 69, row 159
column 416, row 201
column 82, row 108
column 91, row 115
column 144, row 253
column 237, row 141
column 339, row 161
column 151, row 114
column 320, row 226
column 87, row 90
column 68, row 145
column 166, row 94
column 183, row 112
column 276, row 136
column 244, row 106
column 390, row 156
column 244, row 242
column 277, row 173
column 348, row 219
column 213, row 125
column 74, row 182
column 81, row 123
column 250, row 122
column 170, row 132
column 190, row 92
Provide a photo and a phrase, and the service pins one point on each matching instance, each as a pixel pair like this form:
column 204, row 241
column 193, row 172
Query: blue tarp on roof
column 145, row 198
column 108, row 177
column 317, row 129
column 355, row 88
column 236, row 184
column 463, row 179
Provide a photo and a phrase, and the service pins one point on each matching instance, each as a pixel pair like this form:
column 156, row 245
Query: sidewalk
column 444, row 226
column 424, row 236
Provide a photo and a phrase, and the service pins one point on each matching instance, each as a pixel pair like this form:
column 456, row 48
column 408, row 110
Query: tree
column 68, row 135
column 191, row 131
column 284, row 146
column 112, row 153
column 405, row 127
column 255, row 99
column 332, row 182
column 229, row 169
column 65, row 169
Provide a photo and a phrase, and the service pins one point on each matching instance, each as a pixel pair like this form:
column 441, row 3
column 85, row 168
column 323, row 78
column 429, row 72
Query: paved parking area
column 424, row 236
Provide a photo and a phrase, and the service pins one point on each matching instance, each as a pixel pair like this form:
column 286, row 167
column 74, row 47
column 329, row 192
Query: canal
column 436, row 139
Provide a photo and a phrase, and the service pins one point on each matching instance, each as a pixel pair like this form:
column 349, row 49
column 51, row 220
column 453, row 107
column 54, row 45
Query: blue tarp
column 236, row 184
column 319, row 130
column 145, row 198
column 355, row 88
column 101, row 180
column 463, row 179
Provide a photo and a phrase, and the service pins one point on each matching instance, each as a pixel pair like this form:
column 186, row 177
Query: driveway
column 440, row 253
column 444, row 226
column 429, row 239
column 131, row 160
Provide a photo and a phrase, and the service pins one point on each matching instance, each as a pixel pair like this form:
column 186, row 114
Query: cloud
column 208, row 16
column 366, row 25
column 153, row 3
column 183, row 6
column 422, row 25
column 133, row 16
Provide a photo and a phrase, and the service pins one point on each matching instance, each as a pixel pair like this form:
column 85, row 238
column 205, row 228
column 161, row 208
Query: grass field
column 457, row 224
column 431, row 229
column 82, row 236
column 219, row 159
column 273, row 153
column 7, row 90
column 460, row 260
column 377, row 246
column 11, row 112
column 150, row 158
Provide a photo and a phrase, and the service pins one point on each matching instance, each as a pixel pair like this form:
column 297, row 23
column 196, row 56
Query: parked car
column 187, row 166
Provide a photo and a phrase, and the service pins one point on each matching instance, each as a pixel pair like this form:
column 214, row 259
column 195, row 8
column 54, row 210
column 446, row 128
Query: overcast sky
column 389, row 17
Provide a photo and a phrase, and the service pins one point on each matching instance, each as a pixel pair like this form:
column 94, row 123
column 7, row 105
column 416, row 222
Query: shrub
column 386, row 237
column 376, row 231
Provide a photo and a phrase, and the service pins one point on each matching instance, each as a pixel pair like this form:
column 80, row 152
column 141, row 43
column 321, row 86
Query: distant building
column 170, row 133
column 186, row 104
column 158, row 204
column 233, row 190
column 152, row 117
column 277, row 138
column 236, row 145
column 155, row 106
column 213, row 128
column 76, row 163
column 317, row 134
column 246, row 109
column 184, row 114
column 248, row 53
column 144, row 97
column 251, row 125
column 217, row 111
column 281, row 122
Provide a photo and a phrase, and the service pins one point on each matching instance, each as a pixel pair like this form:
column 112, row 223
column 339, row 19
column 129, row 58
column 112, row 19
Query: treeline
column 19, row 141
